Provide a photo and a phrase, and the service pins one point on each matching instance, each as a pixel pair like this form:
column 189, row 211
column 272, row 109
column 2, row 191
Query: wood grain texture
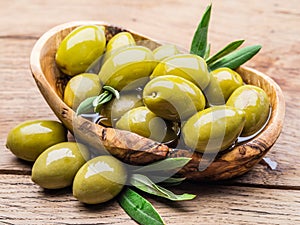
column 273, row 197
column 22, row 202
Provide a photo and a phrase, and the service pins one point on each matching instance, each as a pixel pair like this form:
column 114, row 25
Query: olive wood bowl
column 134, row 149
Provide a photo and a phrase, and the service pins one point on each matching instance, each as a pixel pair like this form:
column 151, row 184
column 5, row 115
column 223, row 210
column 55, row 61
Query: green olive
column 57, row 166
column 80, row 48
column 165, row 51
column 173, row 97
column 99, row 180
column 213, row 129
column 117, row 42
column 256, row 104
column 189, row 66
column 29, row 139
column 222, row 83
column 113, row 110
column 142, row 121
column 81, row 87
column 128, row 68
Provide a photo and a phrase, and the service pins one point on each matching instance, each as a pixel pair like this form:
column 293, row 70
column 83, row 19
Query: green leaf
column 105, row 97
column 139, row 208
column 164, row 179
column 167, row 181
column 172, row 180
column 113, row 91
column 101, row 99
column 226, row 50
column 199, row 42
column 165, row 164
column 236, row 58
column 98, row 103
column 86, row 106
column 145, row 184
column 207, row 51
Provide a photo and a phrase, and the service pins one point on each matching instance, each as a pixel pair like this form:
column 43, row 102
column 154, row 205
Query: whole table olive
column 256, row 104
column 173, row 98
column 99, row 180
column 57, row 165
column 142, row 121
column 80, row 48
column 213, row 129
column 222, row 83
column 81, row 87
column 128, row 68
column 189, row 66
column 113, row 110
column 117, row 42
column 29, row 139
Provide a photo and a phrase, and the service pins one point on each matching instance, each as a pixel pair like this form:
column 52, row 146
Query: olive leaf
column 174, row 180
column 165, row 164
column 105, row 97
column 138, row 208
column 164, row 179
column 112, row 90
column 145, row 184
column 199, row 42
column 167, row 181
column 226, row 50
column 86, row 106
column 207, row 52
column 236, row 58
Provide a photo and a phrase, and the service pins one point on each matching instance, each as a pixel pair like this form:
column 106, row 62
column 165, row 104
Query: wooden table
column 262, row 196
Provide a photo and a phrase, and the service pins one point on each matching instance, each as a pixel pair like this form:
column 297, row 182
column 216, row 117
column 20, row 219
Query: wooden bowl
column 134, row 149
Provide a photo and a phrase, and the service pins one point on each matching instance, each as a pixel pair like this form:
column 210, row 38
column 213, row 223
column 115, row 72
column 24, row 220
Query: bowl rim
column 262, row 142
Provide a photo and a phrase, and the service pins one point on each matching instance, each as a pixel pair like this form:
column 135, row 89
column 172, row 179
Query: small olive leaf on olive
column 199, row 42
column 105, row 97
column 112, row 90
column 138, row 208
column 163, row 165
column 86, row 105
column 226, row 50
column 145, row 184
column 234, row 59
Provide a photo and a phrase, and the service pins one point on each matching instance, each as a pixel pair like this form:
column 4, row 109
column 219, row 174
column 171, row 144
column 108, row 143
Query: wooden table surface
column 262, row 196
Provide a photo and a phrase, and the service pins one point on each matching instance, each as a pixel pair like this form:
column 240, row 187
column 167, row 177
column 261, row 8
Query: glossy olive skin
column 81, row 87
column 57, row 166
column 173, row 98
column 142, row 121
column 29, row 139
column 128, row 68
column 99, row 180
column 213, row 129
column 222, row 83
column 80, row 48
column 188, row 66
column 256, row 104
column 113, row 110
column 117, row 42
column 165, row 51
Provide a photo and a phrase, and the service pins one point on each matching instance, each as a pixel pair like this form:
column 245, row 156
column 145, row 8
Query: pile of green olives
column 163, row 94
column 59, row 163
column 164, row 88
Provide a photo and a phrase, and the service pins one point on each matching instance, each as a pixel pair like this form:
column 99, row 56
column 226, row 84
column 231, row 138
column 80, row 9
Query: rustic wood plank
column 22, row 202
column 274, row 195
